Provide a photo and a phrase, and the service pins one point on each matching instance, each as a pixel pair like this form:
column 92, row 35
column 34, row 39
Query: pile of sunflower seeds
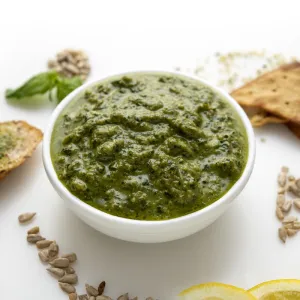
column 60, row 266
column 71, row 63
column 290, row 224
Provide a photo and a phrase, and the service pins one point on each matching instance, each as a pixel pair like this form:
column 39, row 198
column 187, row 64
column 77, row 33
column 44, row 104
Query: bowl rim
column 226, row 198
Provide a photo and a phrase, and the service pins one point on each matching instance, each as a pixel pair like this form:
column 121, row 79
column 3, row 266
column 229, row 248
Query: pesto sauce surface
column 149, row 146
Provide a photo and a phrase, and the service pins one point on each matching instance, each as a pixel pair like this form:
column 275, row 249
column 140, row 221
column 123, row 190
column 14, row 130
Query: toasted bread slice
column 18, row 140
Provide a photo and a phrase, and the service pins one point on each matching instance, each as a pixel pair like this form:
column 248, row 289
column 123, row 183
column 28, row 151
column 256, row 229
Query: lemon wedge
column 215, row 291
column 282, row 289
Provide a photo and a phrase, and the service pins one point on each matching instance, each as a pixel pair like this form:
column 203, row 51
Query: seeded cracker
column 18, row 140
column 276, row 92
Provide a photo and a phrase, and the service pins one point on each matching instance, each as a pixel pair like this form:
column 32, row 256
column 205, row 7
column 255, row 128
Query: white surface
column 150, row 231
column 242, row 247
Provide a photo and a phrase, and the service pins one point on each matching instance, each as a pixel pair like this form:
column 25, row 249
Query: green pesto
column 149, row 146
column 7, row 142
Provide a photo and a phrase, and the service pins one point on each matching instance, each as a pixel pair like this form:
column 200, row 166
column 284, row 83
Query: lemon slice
column 282, row 289
column 215, row 291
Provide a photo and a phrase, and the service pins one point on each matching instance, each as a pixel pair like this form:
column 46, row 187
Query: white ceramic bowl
column 148, row 231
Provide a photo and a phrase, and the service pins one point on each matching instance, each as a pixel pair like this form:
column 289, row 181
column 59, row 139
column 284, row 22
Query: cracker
column 276, row 92
column 263, row 118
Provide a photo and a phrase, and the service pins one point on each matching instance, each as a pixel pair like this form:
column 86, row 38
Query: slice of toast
column 18, row 140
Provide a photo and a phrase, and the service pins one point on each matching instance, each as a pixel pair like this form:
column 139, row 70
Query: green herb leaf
column 66, row 85
column 39, row 84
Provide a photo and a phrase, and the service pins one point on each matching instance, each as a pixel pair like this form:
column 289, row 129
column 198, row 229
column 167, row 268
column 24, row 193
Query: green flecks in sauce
column 7, row 142
column 149, row 146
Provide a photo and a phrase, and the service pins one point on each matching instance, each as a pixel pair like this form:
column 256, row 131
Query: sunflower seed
column 34, row 230
column 70, row 270
column 297, row 202
column 281, row 190
column 282, row 234
column 33, row 238
column 103, row 297
column 291, row 232
column 289, row 225
column 123, row 297
column 281, row 179
column 52, row 64
column 91, row 290
column 279, row 213
column 73, row 296
column 69, row 278
column 287, row 206
column 71, row 68
column 53, row 250
column 280, row 200
column 101, row 287
column 297, row 182
column 296, row 225
column 56, row 271
column 284, row 169
column 43, row 244
column 23, row 218
column 60, row 263
column 92, row 298
column 83, row 297
column 289, row 219
column 72, row 257
column 291, row 178
column 66, row 287
column 70, row 63
column 44, row 255
column 294, row 189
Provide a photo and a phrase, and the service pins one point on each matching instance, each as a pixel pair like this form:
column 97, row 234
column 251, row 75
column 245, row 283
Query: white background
column 242, row 247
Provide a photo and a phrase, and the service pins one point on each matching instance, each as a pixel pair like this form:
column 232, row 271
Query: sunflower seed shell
column 73, row 296
column 60, row 263
column 294, row 189
column 287, row 206
column 297, row 202
column 34, row 230
column 70, row 270
column 43, row 255
column 23, row 218
column 72, row 257
column 66, row 287
column 101, row 287
column 103, row 297
column 53, row 250
column 69, row 278
column 289, row 219
column 282, row 234
column 123, row 297
column 43, row 244
column 56, row 271
column 279, row 213
column 280, row 200
column 296, row 225
column 33, row 238
column 91, row 290
column 291, row 232
column 281, row 179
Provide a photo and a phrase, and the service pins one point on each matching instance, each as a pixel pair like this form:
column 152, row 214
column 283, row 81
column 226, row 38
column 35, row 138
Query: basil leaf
column 39, row 84
column 66, row 85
